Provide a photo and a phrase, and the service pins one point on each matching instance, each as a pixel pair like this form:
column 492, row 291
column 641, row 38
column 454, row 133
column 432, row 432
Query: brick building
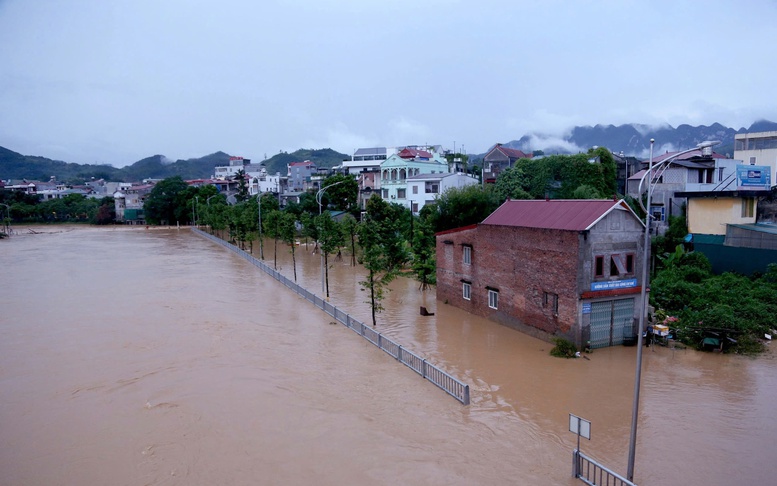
column 569, row 268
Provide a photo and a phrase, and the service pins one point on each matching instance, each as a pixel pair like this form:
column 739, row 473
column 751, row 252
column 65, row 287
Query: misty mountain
column 634, row 139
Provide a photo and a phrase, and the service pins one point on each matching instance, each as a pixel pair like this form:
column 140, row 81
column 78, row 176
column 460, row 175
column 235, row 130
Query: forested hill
column 17, row 166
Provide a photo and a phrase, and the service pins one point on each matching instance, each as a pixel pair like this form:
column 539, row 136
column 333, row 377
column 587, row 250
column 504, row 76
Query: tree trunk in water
column 326, row 272
column 372, row 297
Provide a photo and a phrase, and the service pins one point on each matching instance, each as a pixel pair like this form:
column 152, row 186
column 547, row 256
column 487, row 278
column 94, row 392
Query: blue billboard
column 614, row 284
column 754, row 177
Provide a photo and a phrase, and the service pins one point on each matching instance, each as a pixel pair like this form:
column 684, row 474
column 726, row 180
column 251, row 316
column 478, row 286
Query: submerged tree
column 272, row 227
column 331, row 239
column 381, row 244
column 350, row 227
column 288, row 233
column 423, row 245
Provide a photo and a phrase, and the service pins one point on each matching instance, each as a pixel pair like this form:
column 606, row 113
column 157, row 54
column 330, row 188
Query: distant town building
column 498, row 159
column 300, row 175
column 423, row 189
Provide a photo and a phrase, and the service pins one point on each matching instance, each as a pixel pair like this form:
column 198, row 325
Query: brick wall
column 522, row 264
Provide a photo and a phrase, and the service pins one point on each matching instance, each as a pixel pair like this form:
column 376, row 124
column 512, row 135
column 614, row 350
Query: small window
column 550, row 301
column 415, row 189
column 493, row 299
column 385, row 193
column 599, row 267
column 617, row 265
column 467, row 255
column 630, row 263
column 466, row 290
column 401, row 193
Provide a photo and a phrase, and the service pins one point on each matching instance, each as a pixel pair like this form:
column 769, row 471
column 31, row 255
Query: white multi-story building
column 423, row 189
column 758, row 149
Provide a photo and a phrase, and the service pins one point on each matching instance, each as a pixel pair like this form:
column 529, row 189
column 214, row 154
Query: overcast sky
column 114, row 81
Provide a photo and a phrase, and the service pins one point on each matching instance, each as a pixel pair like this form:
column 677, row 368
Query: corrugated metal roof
column 559, row 214
column 371, row 151
column 513, row 153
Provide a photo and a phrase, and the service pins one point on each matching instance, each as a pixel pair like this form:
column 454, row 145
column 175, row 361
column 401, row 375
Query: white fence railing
column 446, row 382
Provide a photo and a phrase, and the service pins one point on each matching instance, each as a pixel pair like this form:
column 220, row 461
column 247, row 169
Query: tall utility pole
column 704, row 147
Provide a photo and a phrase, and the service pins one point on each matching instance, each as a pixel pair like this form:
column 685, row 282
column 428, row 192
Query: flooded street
column 155, row 357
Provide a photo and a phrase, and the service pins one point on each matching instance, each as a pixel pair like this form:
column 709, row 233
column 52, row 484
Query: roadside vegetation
column 73, row 208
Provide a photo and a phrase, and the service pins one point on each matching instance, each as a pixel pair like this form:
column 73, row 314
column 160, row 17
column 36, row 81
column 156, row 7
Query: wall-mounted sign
column 614, row 284
column 586, row 307
column 754, row 177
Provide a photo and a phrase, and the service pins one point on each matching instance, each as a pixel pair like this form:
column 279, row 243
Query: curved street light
column 662, row 166
column 319, row 197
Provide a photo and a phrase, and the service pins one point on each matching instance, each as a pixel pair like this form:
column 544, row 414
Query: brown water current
column 155, row 357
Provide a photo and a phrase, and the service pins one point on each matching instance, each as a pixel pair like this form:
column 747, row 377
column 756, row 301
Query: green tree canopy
column 166, row 203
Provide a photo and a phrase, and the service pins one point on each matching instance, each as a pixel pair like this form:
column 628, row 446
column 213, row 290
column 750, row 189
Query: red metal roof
column 410, row 152
column 513, row 153
column 558, row 214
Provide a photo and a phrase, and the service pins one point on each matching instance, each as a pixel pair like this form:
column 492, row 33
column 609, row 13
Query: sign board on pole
column 580, row 426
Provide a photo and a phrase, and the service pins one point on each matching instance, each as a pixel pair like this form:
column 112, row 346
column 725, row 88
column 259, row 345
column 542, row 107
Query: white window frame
column 493, row 299
column 466, row 291
column 467, row 255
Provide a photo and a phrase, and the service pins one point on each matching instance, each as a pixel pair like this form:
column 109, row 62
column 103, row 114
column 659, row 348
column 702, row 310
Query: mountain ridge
column 633, row 139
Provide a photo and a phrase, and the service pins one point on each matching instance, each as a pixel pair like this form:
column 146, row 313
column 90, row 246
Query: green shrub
column 563, row 348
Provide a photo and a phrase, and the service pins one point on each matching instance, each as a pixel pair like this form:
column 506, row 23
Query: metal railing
column 591, row 472
column 444, row 381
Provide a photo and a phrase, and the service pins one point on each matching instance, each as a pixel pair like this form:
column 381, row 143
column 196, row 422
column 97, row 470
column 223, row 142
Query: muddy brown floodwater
column 155, row 357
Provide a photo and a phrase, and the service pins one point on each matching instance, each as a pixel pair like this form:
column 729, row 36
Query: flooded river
column 155, row 357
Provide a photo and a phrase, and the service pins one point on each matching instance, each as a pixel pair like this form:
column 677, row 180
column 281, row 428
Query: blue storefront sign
column 586, row 307
column 614, row 284
column 754, row 177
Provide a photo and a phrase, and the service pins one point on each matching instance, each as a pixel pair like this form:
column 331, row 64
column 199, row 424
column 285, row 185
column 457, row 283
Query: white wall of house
column 424, row 189
column 757, row 149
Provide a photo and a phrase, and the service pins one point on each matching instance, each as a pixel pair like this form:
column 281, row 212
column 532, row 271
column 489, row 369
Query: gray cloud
column 114, row 82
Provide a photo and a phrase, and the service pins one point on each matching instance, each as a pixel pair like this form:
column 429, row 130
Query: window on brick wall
column 493, row 299
column 550, row 301
column 466, row 290
column 467, row 255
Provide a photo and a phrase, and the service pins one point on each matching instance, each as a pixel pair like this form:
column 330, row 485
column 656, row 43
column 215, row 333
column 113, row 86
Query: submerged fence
column 594, row 474
column 428, row 371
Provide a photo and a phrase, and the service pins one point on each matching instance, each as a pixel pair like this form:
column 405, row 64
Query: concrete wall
column 710, row 215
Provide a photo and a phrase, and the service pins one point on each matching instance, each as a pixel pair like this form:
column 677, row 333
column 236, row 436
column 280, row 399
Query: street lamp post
column 319, row 197
column 663, row 165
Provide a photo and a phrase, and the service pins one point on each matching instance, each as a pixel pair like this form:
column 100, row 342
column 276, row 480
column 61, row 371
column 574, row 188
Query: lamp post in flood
column 319, row 197
column 662, row 166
